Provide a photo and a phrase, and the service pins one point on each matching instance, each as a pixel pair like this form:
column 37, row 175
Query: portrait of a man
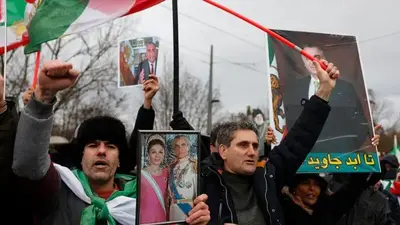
column 183, row 179
column 148, row 66
column 137, row 60
column 348, row 127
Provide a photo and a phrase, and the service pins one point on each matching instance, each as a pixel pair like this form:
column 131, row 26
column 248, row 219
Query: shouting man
column 94, row 193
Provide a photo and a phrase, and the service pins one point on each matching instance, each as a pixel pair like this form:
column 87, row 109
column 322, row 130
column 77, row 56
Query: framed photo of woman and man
column 168, row 176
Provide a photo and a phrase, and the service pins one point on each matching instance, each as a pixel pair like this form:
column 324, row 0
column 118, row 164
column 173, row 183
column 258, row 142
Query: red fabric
column 106, row 194
column 395, row 189
column 142, row 5
column 15, row 45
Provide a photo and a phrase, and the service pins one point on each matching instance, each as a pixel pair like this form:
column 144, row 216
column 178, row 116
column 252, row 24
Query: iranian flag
column 277, row 112
column 57, row 18
column 396, row 149
column 15, row 28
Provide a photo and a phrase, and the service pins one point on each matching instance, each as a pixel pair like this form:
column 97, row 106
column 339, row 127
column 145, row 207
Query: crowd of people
column 97, row 184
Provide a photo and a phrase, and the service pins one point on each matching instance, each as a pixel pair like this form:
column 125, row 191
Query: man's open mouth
column 100, row 164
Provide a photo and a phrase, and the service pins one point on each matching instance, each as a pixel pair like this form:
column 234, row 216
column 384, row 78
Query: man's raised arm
column 31, row 159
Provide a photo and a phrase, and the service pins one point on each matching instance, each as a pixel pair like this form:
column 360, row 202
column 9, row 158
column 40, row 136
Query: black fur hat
column 104, row 128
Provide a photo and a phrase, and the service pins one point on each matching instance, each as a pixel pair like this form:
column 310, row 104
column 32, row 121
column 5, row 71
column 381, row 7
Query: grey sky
column 239, row 52
column 376, row 26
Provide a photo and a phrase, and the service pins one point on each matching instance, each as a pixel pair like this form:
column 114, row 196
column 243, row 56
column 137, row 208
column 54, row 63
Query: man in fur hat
column 93, row 193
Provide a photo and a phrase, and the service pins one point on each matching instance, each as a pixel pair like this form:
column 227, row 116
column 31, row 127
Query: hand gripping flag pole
column 268, row 31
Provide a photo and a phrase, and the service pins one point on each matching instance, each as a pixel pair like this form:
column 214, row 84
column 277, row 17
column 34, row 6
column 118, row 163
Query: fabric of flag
column 57, row 18
column 396, row 149
column 17, row 35
column 278, row 113
column 2, row 7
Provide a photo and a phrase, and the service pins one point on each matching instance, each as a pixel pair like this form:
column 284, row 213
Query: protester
column 8, row 127
column 95, row 193
column 391, row 164
column 392, row 200
column 145, row 116
column 310, row 202
column 371, row 208
column 8, row 182
column 213, row 137
column 244, row 191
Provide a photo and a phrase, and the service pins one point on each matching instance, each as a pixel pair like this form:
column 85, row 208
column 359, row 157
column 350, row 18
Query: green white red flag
column 57, row 18
column 15, row 28
column 46, row 20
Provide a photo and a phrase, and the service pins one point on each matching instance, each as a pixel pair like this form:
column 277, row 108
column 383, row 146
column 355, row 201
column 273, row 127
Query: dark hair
column 179, row 136
column 314, row 46
column 214, row 134
column 105, row 128
column 256, row 112
column 299, row 178
column 151, row 43
column 228, row 129
column 155, row 142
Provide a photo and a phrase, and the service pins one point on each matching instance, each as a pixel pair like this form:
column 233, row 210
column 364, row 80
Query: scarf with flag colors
column 120, row 206
column 57, row 18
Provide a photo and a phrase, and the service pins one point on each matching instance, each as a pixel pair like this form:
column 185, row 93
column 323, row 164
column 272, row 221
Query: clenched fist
column 55, row 76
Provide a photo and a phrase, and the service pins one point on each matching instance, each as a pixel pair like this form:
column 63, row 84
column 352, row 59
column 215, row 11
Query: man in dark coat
column 346, row 128
column 245, row 191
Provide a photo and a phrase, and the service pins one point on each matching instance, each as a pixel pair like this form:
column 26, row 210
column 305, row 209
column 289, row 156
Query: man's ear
column 222, row 150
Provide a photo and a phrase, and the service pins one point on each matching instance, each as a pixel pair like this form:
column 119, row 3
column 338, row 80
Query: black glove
column 179, row 122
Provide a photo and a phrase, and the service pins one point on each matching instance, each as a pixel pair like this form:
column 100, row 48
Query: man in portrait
column 182, row 180
column 347, row 127
column 149, row 65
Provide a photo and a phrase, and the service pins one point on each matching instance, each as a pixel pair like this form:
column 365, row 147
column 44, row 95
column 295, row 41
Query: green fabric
column 387, row 188
column 15, row 11
column 52, row 19
column 271, row 52
column 98, row 209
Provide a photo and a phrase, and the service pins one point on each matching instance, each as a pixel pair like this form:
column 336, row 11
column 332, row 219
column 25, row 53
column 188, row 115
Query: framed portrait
column 344, row 145
column 137, row 59
column 168, row 176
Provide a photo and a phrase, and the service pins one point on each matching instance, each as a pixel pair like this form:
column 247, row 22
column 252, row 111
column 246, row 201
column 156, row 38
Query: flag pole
column 5, row 49
column 176, row 54
column 268, row 31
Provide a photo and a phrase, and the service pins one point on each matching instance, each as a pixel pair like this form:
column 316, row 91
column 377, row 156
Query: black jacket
column 329, row 209
column 9, row 183
column 393, row 205
column 271, row 175
column 371, row 208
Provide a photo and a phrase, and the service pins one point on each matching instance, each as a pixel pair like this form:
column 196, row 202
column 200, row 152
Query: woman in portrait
column 154, row 183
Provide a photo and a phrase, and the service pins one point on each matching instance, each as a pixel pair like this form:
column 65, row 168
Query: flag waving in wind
column 277, row 112
column 57, row 18
column 15, row 28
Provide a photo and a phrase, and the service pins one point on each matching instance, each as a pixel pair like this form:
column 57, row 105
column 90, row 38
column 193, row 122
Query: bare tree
column 93, row 53
column 193, row 100
column 248, row 115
